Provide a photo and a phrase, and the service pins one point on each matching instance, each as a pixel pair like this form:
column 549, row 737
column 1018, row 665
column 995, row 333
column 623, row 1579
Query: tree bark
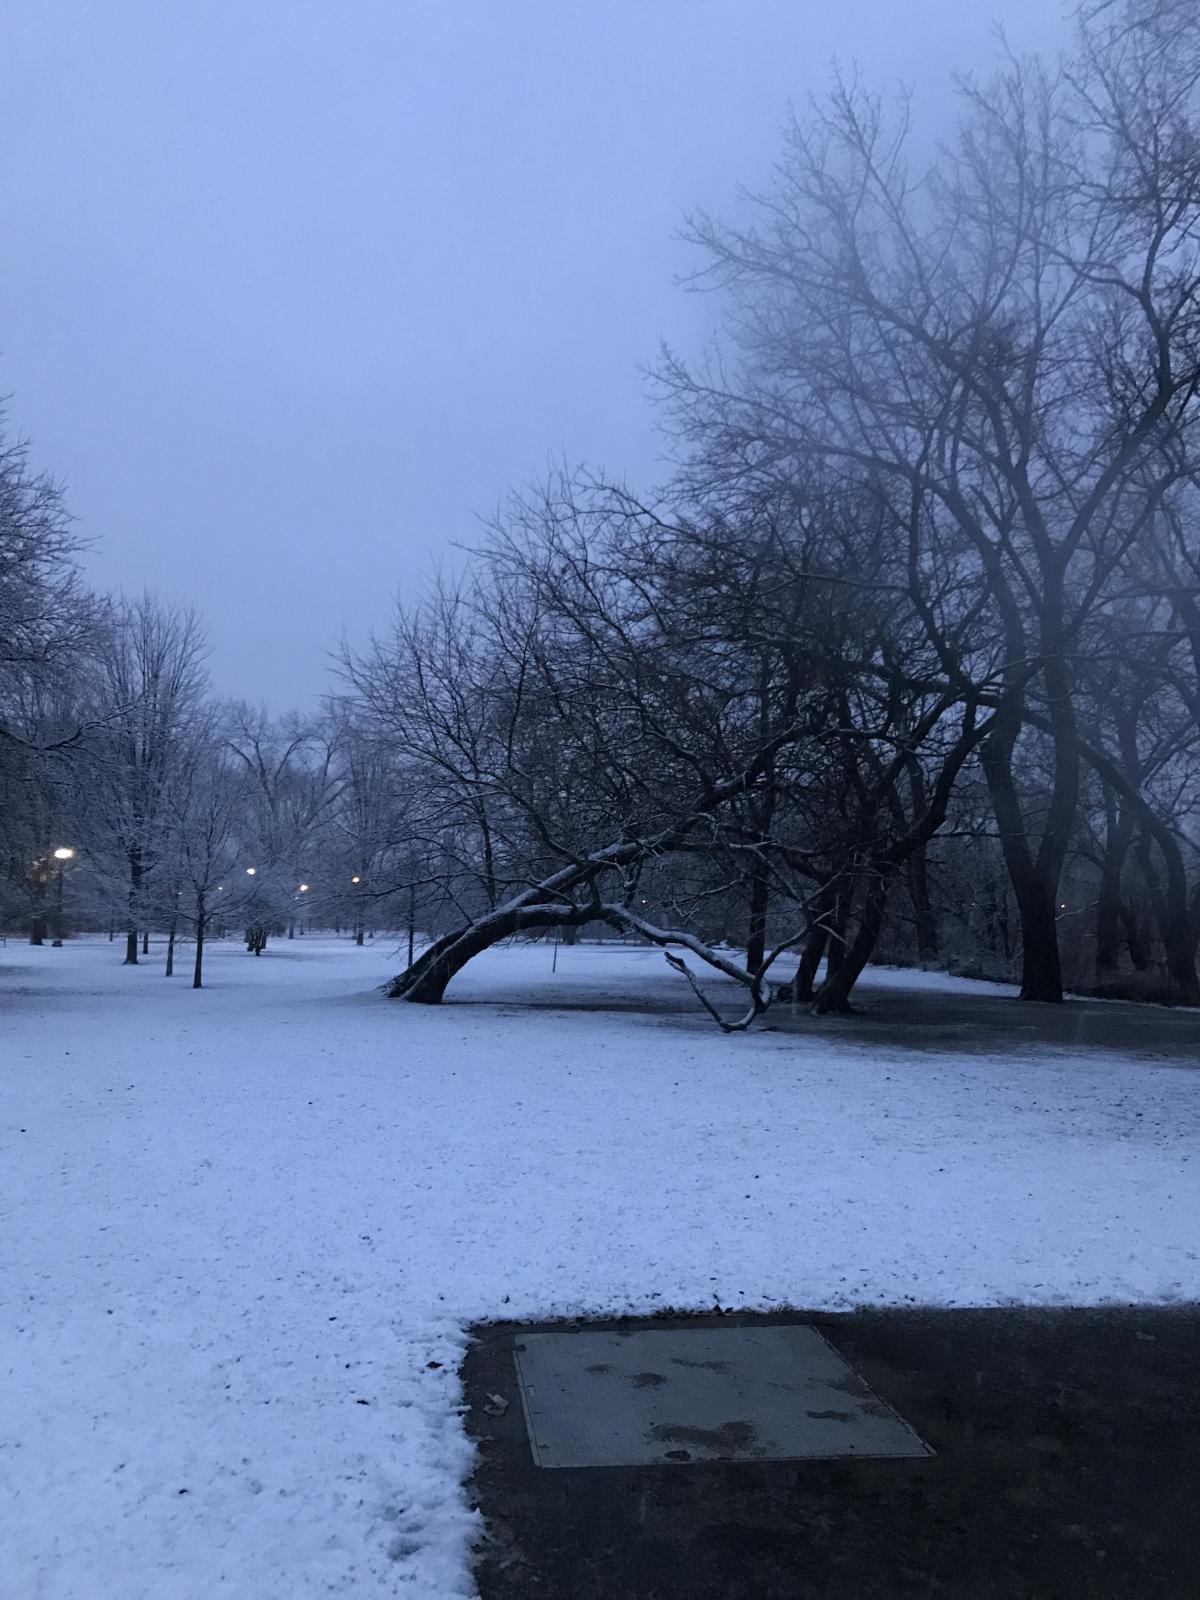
column 1135, row 940
column 201, row 924
column 917, row 874
column 37, row 922
column 1035, row 887
column 1108, row 902
column 810, row 960
column 835, row 941
column 1173, row 915
column 170, row 973
column 760, row 900
column 882, row 867
column 135, row 892
column 1178, row 928
column 425, row 982
column 923, row 917
column 834, row 993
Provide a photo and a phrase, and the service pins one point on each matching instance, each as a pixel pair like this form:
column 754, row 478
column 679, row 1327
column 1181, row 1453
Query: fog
column 291, row 292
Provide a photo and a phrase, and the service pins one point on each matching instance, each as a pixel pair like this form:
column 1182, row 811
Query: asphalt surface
column 1067, row 1467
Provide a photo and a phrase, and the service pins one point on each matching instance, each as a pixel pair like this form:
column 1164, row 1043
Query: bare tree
column 1005, row 348
column 151, row 689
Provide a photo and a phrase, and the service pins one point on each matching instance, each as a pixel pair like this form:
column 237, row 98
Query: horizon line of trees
column 903, row 662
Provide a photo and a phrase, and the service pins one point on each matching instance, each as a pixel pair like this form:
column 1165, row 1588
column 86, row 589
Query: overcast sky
column 291, row 289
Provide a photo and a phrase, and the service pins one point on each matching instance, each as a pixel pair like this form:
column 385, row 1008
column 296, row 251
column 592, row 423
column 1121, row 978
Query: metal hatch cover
column 671, row 1396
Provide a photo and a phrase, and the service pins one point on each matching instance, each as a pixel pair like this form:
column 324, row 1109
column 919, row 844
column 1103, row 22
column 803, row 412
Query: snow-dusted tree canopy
column 902, row 662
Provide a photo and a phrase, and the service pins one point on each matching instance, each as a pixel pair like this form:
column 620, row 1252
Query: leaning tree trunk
column 882, row 867
column 425, row 981
column 835, row 942
column 810, row 960
column 811, row 952
column 834, row 993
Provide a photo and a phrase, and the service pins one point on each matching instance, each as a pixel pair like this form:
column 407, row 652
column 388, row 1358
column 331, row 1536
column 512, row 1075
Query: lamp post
column 62, row 855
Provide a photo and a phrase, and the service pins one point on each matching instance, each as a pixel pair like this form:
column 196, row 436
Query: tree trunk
column 1035, row 884
column 760, row 899
column 761, row 809
column 881, row 868
column 834, row 993
column 923, row 915
column 135, row 894
column 1135, row 940
column 1108, row 902
column 198, row 969
column 1173, row 915
column 835, row 941
column 810, row 960
column 358, row 934
column 171, row 950
column 425, row 982
column 917, row 874
column 1035, row 875
column 146, row 942
column 1041, row 962
column 37, row 922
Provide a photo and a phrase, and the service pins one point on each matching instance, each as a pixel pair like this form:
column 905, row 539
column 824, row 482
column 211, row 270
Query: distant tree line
column 902, row 663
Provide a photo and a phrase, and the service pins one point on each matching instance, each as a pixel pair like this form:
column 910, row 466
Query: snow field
column 242, row 1232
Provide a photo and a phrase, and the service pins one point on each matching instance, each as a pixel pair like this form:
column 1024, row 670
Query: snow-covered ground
column 242, row 1231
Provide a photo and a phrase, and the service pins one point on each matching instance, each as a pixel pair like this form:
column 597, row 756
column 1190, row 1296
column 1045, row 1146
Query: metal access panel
column 661, row 1396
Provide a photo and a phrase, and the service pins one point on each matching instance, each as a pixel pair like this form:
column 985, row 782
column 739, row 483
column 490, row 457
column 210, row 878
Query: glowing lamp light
column 303, row 888
column 250, row 871
column 63, row 853
column 356, row 880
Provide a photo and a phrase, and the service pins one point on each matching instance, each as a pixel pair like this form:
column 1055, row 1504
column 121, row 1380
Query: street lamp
column 250, row 871
column 62, row 855
column 303, row 888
